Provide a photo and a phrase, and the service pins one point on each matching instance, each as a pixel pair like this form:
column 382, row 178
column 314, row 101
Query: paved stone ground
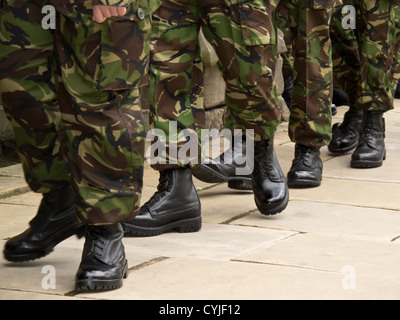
column 337, row 241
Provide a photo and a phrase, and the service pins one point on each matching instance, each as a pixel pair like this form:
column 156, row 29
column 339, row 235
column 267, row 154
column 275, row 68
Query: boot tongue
column 373, row 128
column 162, row 187
column 104, row 242
column 163, row 182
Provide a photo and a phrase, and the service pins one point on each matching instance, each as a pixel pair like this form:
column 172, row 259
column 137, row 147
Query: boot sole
column 304, row 184
column 40, row 254
column 266, row 210
column 364, row 164
column 209, row 175
column 343, row 150
column 182, row 226
column 99, row 285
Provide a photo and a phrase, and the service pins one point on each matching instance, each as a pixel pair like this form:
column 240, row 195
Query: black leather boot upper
column 370, row 151
column 225, row 168
column 55, row 221
column 175, row 205
column 306, row 169
column 270, row 190
column 103, row 265
column 345, row 135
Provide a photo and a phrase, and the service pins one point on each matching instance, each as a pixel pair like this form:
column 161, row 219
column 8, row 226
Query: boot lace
column 304, row 155
column 99, row 237
column 163, row 186
column 266, row 163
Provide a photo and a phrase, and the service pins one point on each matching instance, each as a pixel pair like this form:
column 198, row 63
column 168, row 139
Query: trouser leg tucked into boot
column 103, row 266
column 175, row 206
column 54, row 222
column 370, row 151
column 271, row 192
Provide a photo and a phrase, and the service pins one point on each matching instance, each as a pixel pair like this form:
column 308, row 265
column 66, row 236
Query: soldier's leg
column 310, row 111
column 346, row 71
column 28, row 93
column 102, row 67
column 283, row 23
column 377, row 34
column 176, row 104
column 244, row 38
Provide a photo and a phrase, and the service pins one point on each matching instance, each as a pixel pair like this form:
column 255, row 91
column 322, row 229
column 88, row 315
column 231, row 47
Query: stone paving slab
column 353, row 192
column 29, row 276
column 198, row 279
column 339, row 167
column 12, row 171
column 15, row 219
column 25, row 295
column 330, row 219
column 232, row 203
column 331, row 253
column 215, row 242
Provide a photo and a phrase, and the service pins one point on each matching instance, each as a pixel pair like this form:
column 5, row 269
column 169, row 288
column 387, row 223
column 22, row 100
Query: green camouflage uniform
column 73, row 93
column 310, row 110
column 244, row 38
column 366, row 59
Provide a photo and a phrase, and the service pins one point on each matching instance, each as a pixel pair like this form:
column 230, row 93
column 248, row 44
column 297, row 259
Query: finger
column 98, row 15
column 121, row 11
column 105, row 11
column 113, row 11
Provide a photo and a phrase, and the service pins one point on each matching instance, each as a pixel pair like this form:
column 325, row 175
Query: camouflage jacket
column 148, row 6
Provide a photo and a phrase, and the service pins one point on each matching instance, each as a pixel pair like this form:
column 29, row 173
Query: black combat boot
column 175, row 206
column 271, row 193
column 103, row 265
column 55, row 221
column 288, row 90
column 306, row 169
column 225, row 168
column 345, row 135
column 340, row 97
column 370, row 151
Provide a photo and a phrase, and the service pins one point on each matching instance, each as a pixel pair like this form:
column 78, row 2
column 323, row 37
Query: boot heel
column 80, row 233
column 126, row 271
column 240, row 184
column 190, row 225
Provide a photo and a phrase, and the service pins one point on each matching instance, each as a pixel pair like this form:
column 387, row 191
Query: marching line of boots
column 73, row 98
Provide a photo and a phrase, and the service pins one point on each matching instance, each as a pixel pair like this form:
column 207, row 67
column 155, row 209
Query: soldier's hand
column 101, row 13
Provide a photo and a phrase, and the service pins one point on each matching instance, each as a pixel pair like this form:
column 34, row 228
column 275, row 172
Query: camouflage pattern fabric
column 176, row 89
column 243, row 37
column 92, row 108
column 310, row 110
column 366, row 59
column 26, row 51
column 345, row 56
column 376, row 28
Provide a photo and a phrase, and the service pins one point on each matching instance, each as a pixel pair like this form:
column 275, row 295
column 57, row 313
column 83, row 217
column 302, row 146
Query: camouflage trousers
column 72, row 95
column 243, row 37
column 309, row 25
column 366, row 59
